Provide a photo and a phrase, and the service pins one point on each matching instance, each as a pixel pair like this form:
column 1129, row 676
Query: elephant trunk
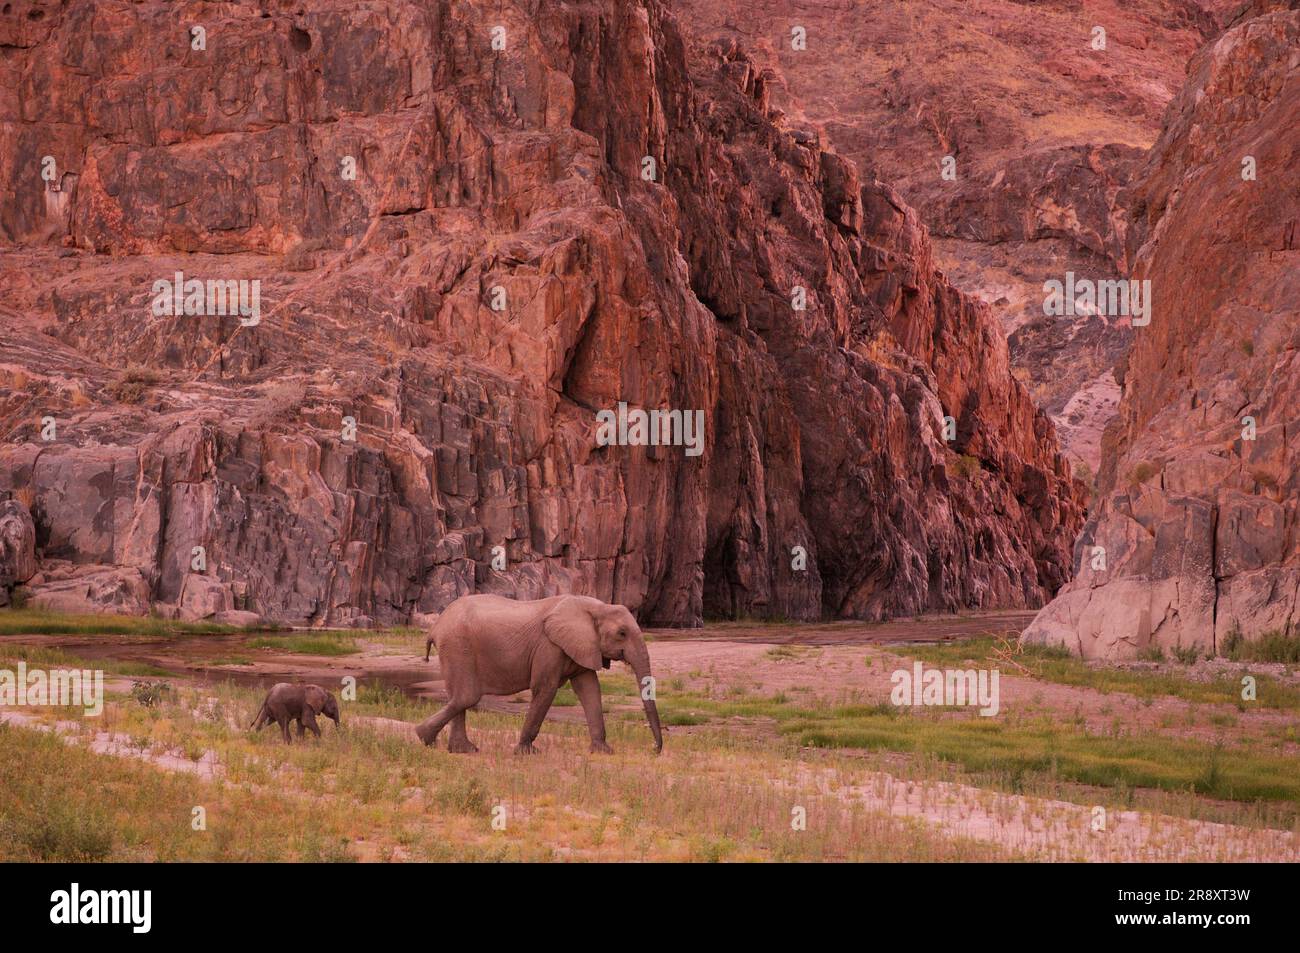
column 639, row 658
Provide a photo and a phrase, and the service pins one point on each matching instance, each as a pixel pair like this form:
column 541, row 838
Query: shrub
column 150, row 694
column 1271, row 646
column 133, row 383
column 463, row 795
column 1142, row 472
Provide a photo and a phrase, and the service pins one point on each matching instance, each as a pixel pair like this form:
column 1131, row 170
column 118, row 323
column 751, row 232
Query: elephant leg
column 308, row 718
column 283, row 722
column 427, row 730
column 543, row 695
column 587, row 687
column 459, row 742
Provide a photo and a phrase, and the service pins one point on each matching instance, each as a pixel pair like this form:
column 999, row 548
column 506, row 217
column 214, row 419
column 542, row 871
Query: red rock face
column 1044, row 130
column 1201, row 485
column 504, row 265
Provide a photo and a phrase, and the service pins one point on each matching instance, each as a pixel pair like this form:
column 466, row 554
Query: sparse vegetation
column 150, row 694
column 61, row 658
column 325, row 642
column 782, row 652
column 721, row 791
column 1056, row 664
column 1143, row 472
column 21, row 621
column 133, row 383
column 1083, row 473
column 967, row 467
column 1274, row 646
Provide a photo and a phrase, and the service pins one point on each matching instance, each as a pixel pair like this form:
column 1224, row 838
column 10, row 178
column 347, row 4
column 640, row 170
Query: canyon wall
column 1195, row 542
column 1043, row 122
column 474, row 227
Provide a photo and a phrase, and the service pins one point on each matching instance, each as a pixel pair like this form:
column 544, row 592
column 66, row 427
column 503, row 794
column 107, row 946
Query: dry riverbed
column 782, row 743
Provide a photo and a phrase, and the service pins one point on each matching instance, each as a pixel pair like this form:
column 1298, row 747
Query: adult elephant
column 490, row 645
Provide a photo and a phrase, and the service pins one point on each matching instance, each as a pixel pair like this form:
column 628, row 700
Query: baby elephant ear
column 570, row 626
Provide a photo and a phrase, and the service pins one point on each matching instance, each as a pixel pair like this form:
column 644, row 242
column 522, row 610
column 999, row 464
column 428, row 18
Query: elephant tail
column 430, row 624
column 259, row 720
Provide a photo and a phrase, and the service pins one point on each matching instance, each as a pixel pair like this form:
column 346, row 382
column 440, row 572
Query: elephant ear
column 314, row 698
column 570, row 626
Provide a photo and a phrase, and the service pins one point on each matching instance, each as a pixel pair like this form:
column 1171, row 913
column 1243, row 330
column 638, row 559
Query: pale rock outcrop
column 1200, row 514
column 17, row 547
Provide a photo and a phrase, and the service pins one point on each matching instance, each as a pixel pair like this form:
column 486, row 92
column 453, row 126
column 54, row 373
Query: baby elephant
column 285, row 703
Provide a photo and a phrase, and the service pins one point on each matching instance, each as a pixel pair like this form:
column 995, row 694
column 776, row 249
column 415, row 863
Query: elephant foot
column 428, row 737
column 462, row 746
column 526, row 747
column 599, row 747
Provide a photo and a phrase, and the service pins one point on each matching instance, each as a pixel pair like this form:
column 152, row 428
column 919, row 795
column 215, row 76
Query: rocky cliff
column 1044, row 121
column 472, row 228
column 1196, row 543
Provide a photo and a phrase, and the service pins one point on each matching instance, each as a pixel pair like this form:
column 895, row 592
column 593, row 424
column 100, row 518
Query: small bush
column 1142, row 472
column 150, row 694
column 133, row 384
column 55, row 832
column 463, row 795
column 1271, row 646
column 967, row 466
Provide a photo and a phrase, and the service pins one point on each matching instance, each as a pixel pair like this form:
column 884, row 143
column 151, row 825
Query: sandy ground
column 840, row 662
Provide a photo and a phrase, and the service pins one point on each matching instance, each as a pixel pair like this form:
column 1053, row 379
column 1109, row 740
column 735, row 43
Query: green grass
column 371, row 792
column 722, row 792
column 984, row 747
column 326, row 642
column 58, row 658
column 1269, row 647
column 1009, row 752
column 1055, row 664
column 780, row 653
column 42, row 622
column 60, row 802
